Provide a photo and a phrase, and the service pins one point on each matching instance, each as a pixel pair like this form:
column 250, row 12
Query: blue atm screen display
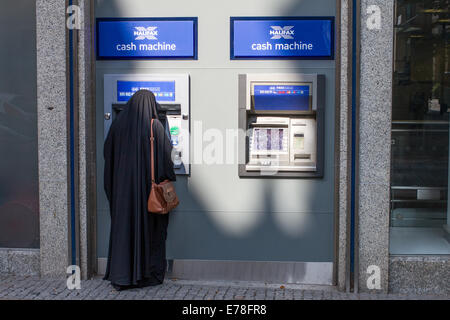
column 147, row 38
column 163, row 90
column 282, row 97
column 289, row 38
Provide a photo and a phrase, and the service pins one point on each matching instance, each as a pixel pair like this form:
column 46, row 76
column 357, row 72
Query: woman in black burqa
column 137, row 250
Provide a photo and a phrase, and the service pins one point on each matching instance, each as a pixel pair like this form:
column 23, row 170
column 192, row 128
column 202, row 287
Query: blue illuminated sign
column 282, row 97
column 163, row 90
column 146, row 38
column 282, row 38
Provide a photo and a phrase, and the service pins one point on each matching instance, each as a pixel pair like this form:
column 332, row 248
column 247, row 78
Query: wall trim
column 419, row 274
column 20, row 262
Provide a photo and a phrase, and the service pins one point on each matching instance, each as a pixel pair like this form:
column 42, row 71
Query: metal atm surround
column 177, row 112
column 317, row 102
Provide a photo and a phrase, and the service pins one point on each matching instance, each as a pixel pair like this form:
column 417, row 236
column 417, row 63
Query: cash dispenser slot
column 302, row 156
column 170, row 109
column 118, row 107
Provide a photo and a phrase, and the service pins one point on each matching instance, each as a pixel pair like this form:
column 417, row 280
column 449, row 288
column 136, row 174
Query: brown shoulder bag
column 162, row 198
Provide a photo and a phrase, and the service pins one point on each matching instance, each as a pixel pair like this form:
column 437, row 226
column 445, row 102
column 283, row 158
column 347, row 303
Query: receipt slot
column 172, row 94
column 282, row 116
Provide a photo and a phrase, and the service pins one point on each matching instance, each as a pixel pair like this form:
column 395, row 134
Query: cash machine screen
column 269, row 139
column 281, row 97
column 163, row 90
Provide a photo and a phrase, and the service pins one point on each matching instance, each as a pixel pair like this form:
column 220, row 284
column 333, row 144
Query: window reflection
column 420, row 129
column 19, row 197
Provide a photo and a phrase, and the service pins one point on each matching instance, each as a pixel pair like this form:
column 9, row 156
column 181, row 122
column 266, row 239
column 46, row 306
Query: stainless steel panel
column 319, row 273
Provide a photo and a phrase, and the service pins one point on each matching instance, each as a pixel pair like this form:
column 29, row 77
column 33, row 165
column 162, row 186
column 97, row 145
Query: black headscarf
column 137, row 241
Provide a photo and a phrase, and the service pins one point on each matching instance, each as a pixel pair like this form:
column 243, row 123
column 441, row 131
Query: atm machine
column 282, row 116
column 171, row 92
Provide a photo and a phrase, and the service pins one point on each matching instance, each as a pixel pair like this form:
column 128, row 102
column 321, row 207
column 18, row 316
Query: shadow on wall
column 268, row 235
column 276, row 228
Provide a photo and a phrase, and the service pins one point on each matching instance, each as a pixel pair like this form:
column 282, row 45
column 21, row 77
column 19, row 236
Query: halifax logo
column 143, row 33
column 285, row 32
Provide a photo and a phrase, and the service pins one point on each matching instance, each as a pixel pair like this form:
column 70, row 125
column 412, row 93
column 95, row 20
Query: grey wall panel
column 52, row 137
column 222, row 216
column 374, row 143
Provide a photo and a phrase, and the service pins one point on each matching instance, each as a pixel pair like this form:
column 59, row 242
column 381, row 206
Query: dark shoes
column 141, row 284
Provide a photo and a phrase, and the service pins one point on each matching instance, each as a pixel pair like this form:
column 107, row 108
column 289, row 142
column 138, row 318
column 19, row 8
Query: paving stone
column 16, row 287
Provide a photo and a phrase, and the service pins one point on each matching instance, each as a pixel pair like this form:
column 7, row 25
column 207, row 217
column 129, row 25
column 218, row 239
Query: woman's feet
column 141, row 284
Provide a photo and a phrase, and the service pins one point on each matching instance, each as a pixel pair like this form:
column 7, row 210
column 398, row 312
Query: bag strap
column 151, row 152
column 155, row 111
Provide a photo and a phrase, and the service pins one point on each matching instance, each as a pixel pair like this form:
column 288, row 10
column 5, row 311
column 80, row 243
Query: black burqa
column 137, row 250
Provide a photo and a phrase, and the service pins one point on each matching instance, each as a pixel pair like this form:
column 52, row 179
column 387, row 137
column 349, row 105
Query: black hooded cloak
column 137, row 250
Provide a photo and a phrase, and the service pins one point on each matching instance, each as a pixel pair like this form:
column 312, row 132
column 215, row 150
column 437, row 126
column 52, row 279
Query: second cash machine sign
column 282, row 38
